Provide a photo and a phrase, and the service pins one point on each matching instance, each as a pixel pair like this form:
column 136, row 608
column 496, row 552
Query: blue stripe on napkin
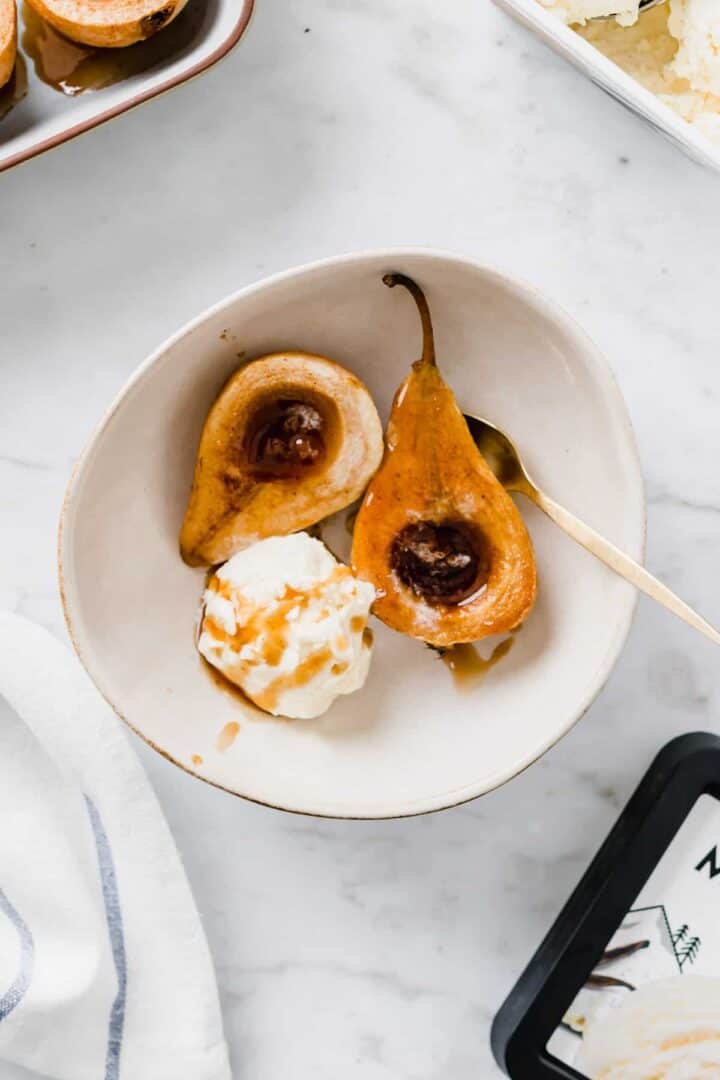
column 16, row 992
column 117, row 940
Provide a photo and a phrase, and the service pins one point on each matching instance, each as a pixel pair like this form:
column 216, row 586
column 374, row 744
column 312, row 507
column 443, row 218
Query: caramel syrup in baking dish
column 15, row 89
column 72, row 68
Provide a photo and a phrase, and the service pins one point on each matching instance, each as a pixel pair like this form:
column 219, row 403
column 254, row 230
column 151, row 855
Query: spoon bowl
column 504, row 459
column 500, row 453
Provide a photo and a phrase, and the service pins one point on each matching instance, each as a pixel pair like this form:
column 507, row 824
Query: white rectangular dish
column 610, row 78
column 36, row 115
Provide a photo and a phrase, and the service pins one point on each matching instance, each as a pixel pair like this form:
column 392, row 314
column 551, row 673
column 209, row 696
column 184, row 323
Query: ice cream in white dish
column 665, row 1030
column 672, row 49
column 287, row 623
column 695, row 24
column 579, row 11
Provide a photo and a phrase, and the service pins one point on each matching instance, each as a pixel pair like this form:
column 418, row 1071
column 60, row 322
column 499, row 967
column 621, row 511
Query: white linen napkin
column 105, row 972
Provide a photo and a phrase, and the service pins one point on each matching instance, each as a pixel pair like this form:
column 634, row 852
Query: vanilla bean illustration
column 600, row 982
column 622, row 951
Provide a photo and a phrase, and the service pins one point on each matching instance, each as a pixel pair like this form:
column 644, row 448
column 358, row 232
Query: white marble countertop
column 380, row 951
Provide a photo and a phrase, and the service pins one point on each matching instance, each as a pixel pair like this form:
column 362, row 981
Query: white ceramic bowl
column 613, row 80
column 410, row 741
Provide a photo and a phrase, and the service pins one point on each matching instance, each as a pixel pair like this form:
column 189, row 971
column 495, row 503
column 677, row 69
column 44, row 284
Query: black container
column 684, row 771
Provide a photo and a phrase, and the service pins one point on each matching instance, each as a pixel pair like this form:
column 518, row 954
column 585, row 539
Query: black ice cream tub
column 627, row 982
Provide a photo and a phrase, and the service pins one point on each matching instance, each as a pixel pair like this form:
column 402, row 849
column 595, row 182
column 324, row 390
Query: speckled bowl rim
column 598, row 363
column 247, row 7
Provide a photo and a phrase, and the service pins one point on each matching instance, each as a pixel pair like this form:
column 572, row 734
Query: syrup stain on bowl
column 250, row 709
column 227, row 736
column 73, row 69
column 468, row 667
column 15, row 89
column 223, row 683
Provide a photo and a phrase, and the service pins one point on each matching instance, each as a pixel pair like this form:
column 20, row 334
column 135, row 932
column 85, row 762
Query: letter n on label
column 711, row 861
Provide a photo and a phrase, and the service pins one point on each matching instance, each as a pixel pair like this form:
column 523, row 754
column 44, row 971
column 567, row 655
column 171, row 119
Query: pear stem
column 428, row 353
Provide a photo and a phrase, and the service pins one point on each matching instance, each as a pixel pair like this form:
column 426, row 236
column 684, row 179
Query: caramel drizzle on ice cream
column 270, row 627
column 303, row 673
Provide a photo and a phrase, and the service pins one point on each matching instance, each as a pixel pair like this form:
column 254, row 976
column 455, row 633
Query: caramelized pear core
column 287, row 438
column 443, row 563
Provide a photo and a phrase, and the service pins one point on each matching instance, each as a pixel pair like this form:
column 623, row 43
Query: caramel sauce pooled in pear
column 437, row 534
column 292, row 439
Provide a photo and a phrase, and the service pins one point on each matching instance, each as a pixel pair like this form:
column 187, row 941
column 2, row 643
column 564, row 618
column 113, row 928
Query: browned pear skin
column 8, row 40
column 433, row 473
column 108, row 24
column 292, row 438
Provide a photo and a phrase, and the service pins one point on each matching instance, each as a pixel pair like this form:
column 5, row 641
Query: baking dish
column 45, row 117
column 610, row 78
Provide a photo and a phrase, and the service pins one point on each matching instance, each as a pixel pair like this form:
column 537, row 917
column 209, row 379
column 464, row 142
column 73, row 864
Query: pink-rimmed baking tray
column 38, row 115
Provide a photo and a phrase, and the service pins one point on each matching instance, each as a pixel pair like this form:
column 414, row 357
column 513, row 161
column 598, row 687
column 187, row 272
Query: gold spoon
column 505, row 461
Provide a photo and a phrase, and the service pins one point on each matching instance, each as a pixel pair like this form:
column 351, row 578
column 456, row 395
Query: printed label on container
column 651, row 1008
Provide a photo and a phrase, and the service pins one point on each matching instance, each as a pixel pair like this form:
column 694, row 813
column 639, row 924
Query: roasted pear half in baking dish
column 437, row 535
column 108, row 23
column 292, row 438
column 8, row 40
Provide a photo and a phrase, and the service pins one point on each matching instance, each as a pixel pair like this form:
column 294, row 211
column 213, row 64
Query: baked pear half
column 437, row 534
column 8, row 40
column 292, row 438
column 108, row 24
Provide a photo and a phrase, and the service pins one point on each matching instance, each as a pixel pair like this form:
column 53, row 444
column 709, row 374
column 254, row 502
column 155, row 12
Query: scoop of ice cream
column 673, row 50
column 666, row 1030
column 287, row 623
column 696, row 26
column 578, row 12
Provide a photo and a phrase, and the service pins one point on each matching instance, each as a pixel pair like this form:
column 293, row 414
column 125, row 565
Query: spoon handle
column 619, row 562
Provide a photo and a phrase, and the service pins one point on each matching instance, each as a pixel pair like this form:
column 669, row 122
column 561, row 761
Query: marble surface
column 380, row 951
